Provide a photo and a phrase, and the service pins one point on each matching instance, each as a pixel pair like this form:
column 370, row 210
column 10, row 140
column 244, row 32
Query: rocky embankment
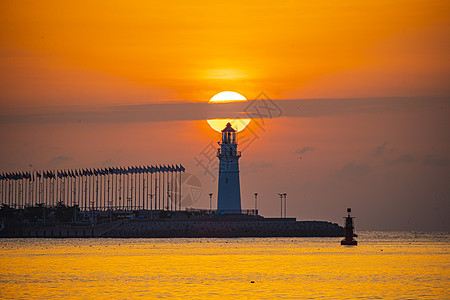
column 192, row 228
column 222, row 229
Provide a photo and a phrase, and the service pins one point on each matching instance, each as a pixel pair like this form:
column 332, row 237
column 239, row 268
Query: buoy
column 349, row 230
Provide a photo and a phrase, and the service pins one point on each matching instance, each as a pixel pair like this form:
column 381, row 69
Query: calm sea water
column 385, row 265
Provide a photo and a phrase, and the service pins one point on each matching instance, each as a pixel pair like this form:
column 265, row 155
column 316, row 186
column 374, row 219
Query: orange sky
column 77, row 52
column 71, row 72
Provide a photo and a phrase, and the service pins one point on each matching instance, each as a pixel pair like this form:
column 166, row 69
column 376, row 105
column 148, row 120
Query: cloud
column 57, row 161
column 304, row 149
column 435, row 160
column 380, row 149
column 258, row 166
column 191, row 111
column 404, row 158
column 352, row 169
column 110, row 162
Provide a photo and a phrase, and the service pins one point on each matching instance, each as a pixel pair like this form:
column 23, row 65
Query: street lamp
column 210, row 203
column 256, row 203
column 281, row 202
column 285, row 194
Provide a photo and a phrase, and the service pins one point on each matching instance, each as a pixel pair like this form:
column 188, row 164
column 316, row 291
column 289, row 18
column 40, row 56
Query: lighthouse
column 229, row 194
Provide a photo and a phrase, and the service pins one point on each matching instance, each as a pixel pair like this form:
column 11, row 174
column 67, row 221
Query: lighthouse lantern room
column 229, row 194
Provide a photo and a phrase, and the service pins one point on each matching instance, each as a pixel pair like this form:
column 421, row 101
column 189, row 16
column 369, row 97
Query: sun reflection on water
column 388, row 267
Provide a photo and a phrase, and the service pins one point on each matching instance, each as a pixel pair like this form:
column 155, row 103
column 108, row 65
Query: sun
column 227, row 97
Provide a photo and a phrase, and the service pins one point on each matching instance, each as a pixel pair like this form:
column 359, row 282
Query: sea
column 384, row 265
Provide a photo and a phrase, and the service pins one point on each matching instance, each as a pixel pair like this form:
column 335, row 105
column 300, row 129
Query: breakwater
column 170, row 228
column 222, row 229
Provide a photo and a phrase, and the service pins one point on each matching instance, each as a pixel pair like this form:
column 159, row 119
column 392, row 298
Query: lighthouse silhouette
column 229, row 194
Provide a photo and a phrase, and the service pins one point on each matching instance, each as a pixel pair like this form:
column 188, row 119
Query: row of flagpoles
column 129, row 188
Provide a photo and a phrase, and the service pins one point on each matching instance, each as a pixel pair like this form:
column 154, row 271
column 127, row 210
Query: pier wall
column 178, row 229
column 204, row 228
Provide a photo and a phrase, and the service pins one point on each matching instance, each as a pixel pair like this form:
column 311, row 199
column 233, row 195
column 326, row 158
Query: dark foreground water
column 385, row 265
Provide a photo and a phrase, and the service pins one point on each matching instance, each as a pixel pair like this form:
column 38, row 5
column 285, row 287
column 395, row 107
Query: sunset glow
column 58, row 53
column 358, row 110
column 120, row 179
column 228, row 97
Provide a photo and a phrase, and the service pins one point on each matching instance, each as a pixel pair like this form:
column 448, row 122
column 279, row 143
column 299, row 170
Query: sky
column 360, row 92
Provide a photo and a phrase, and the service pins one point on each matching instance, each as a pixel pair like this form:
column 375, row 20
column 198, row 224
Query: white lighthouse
column 229, row 194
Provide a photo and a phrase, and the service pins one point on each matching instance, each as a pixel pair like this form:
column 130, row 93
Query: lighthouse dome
column 228, row 128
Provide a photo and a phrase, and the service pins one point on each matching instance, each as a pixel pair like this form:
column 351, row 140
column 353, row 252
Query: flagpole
column 16, row 196
column 128, row 189
column 120, row 187
column 46, row 191
column 151, row 190
column 34, row 188
column 156, row 192
column 52, row 191
column 69, row 189
column 159, row 195
column 2, row 181
column 143, row 191
column 30, row 190
column 74, row 188
column 171, row 191
column 38, row 191
column 141, row 179
column 136, row 183
column 9, row 192
column 181, row 185
column 80, row 188
column 125, row 190
column 100, row 203
column 85, row 189
column 20, row 193
column 163, row 187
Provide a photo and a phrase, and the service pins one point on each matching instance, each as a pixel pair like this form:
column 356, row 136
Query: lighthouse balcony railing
column 228, row 154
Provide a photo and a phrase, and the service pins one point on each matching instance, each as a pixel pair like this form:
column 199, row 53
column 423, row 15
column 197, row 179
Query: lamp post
column 256, row 203
column 210, row 203
column 281, row 202
column 285, row 194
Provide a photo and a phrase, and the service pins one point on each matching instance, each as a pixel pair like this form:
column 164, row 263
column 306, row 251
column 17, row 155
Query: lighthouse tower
column 229, row 194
